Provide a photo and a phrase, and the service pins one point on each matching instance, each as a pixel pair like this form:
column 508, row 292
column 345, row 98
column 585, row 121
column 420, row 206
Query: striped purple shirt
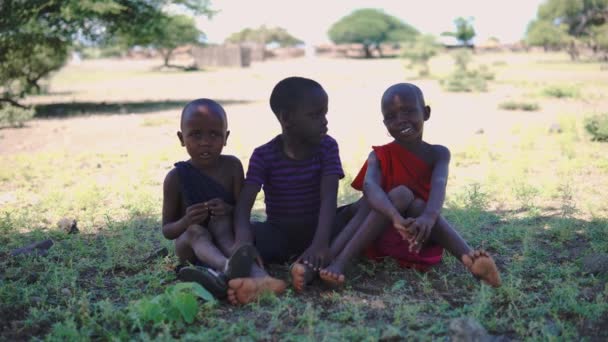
column 292, row 188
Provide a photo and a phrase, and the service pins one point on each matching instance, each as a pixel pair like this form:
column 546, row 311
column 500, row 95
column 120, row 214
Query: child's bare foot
column 300, row 276
column 332, row 275
column 246, row 290
column 481, row 264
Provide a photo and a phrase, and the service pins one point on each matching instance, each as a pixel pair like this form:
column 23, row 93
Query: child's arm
column 242, row 214
column 318, row 250
column 439, row 179
column 217, row 206
column 174, row 224
column 375, row 195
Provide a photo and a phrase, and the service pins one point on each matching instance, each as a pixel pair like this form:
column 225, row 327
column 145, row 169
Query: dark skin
column 204, row 134
column 404, row 113
column 303, row 128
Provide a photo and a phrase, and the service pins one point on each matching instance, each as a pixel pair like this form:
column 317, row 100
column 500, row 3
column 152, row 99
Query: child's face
column 204, row 135
column 308, row 120
column 404, row 116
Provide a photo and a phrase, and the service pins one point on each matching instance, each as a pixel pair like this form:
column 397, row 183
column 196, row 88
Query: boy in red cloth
column 404, row 184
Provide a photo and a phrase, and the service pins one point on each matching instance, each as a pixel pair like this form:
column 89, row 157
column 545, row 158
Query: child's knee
column 401, row 196
column 195, row 232
column 416, row 207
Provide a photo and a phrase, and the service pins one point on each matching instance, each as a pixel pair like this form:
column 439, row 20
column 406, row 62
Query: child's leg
column 478, row 262
column 361, row 209
column 373, row 224
column 302, row 274
column 221, row 231
column 197, row 243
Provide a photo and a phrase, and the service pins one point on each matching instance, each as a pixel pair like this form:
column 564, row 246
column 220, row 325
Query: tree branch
column 13, row 102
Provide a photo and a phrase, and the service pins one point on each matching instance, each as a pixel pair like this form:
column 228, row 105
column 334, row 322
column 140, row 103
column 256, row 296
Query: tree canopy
column 264, row 35
column 370, row 27
column 37, row 35
column 465, row 31
column 174, row 31
column 572, row 22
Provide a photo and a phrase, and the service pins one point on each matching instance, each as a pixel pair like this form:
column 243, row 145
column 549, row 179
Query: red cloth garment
column 401, row 167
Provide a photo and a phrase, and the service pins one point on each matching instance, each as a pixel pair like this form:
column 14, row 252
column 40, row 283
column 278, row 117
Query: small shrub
column 519, row 105
column 178, row 303
column 464, row 81
column 12, row 116
column 597, row 126
column 561, row 91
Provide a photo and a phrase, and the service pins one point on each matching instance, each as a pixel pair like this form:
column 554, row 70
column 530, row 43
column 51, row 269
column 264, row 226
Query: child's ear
column 427, row 112
column 181, row 138
column 226, row 139
column 284, row 118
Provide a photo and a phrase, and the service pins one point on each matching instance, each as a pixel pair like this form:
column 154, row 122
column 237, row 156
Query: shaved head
column 403, row 90
column 193, row 107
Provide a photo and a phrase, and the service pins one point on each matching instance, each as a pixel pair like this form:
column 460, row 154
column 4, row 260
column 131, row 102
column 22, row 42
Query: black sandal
column 240, row 262
column 214, row 282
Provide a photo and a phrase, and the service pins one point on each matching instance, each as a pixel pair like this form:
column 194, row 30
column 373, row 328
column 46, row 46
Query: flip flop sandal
column 214, row 282
column 240, row 262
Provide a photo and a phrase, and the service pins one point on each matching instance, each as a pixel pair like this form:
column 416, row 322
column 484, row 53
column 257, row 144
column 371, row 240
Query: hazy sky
column 310, row 20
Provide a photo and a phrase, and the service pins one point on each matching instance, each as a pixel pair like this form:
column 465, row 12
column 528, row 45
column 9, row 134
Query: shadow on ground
column 101, row 273
column 70, row 109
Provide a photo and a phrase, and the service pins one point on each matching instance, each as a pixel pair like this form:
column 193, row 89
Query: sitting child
column 299, row 171
column 198, row 201
column 404, row 184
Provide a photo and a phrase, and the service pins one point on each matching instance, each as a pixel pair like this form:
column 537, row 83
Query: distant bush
column 561, row 91
column 519, row 105
column 464, row 79
column 11, row 116
column 597, row 126
column 499, row 63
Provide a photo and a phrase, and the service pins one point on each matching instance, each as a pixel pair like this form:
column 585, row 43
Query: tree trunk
column 166, row 56
column 368, row 53
column 573, row 51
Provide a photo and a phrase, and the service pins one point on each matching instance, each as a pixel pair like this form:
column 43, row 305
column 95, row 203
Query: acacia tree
column 264, row 35
column 581, row 21
column 545, row 34
column 173, row 31
column 370, row 27
column 37, row 35
column 465, row 31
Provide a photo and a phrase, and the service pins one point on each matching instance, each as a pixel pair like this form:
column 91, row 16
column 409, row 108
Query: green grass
column 98, row 285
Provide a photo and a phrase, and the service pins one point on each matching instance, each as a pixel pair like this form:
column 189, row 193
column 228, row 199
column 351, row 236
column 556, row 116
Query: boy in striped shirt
column 299, row 171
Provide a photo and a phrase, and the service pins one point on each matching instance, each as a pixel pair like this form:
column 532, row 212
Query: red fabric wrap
column 401, row 167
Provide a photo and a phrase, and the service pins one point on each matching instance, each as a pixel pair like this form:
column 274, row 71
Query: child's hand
column 196, row 213
column 315, row 256
column 217, row 207
column 403, row 226
column 422, row 227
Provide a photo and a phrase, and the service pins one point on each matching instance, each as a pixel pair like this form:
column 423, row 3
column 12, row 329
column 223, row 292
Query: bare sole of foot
column 332, row 278
column 246, row 290
column 481, row 264
column 300, row 276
